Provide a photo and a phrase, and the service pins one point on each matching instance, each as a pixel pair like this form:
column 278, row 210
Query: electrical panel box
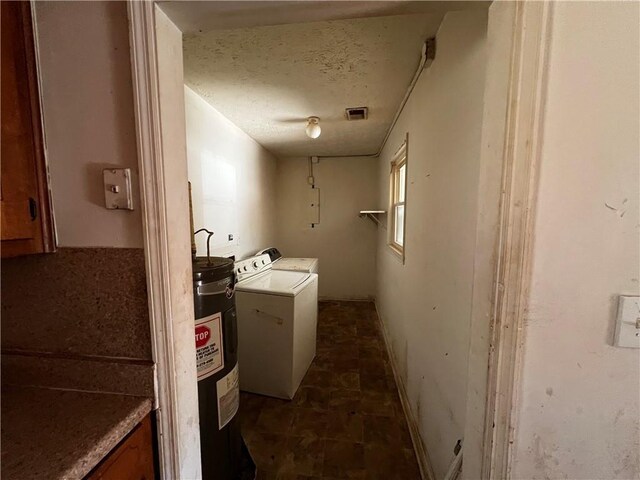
column 313, row 208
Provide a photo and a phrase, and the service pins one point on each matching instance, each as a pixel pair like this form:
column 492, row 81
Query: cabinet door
column 132, row 459
column 24, row 197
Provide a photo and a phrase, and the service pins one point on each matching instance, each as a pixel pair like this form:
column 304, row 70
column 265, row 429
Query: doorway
column 157, row 55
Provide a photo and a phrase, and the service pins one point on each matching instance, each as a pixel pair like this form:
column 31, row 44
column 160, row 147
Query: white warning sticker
column 228, row 389
column 209, row 354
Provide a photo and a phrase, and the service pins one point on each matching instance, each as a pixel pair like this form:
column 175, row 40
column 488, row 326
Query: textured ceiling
column 268, row 79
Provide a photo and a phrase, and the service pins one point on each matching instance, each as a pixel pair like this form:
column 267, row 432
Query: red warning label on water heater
column 209, row 354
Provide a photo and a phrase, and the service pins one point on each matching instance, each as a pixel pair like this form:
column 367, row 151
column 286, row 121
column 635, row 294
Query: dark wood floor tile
column 405, row 432
column 346, row 426
column 272, row 402
column 387, row 462
column 344, row 460
column 318, row 378
column 251, row 401
column 275, row 420
column 312, row 397
column 373, row 342
column 342, row 400
column 325, row 353
column 344, row 339
column 341, row 359
column 268, row 450
column 263, row 475
column 248, row 417
column 378, row 403
column 367, row 328
column 377, row 383
column 250, row 407
column 347, row 329
column 385, row 431
column 374, row 366
column 348, row 342
column 284, row 476
column 346, row 380
column 372, row 352
column 338, row 365
column 304, row 456
column 310, row 423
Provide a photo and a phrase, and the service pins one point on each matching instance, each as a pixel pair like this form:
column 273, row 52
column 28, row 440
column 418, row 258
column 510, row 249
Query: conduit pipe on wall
column 426, row 59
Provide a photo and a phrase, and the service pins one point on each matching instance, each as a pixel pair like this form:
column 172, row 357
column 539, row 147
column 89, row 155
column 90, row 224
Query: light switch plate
column 117, row 188
column 628, row 322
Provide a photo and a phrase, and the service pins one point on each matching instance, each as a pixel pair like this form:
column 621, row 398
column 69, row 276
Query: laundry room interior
column 303, row 240
column 309, row 137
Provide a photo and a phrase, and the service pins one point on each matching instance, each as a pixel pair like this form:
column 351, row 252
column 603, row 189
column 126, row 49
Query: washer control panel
column 251, row 266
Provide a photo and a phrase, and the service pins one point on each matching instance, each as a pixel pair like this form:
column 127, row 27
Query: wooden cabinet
column 26, row 221
column 132, row 459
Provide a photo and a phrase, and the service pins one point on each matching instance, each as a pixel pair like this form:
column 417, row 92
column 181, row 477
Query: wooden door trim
column 521, row 159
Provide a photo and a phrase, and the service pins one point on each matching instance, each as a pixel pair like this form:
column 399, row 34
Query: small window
column 398, row 184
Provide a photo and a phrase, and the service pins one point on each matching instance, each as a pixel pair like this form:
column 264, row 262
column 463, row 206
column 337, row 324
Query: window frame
column 400, row 159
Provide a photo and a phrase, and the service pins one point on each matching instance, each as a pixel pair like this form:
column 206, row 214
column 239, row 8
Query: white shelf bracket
column 372, row 215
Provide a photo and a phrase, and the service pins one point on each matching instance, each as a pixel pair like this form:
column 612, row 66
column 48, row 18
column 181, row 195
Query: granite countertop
column 62, row 434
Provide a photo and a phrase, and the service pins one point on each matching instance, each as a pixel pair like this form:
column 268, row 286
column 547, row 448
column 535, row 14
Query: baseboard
column 426, row 470
column 322, row 298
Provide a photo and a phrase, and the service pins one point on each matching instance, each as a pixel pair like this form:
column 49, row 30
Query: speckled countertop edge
column 120, row 430
column 63, row 434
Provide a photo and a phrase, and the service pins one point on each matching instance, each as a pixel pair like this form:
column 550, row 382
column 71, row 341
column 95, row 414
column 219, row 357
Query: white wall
column 85, row 73
column 243, row 203
column 344, row 243
column 425, row 304
column 579, row 409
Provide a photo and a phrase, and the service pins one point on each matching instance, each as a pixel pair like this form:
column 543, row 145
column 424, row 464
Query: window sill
column 397, row 252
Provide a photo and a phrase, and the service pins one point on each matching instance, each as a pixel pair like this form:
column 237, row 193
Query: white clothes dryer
column 290, row 263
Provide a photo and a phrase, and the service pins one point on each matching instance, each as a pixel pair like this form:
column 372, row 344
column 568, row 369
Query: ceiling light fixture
column 313, row 127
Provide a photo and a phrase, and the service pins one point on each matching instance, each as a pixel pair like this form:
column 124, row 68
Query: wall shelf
column 372, row 215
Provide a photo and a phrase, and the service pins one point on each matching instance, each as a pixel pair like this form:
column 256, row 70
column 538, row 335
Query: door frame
column 168, row 266
column 520, row 158
column 511, row 271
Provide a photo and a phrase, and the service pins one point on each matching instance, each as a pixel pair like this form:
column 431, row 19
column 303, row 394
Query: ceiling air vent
column 357, row 113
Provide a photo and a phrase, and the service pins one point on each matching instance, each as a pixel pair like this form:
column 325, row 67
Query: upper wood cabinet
column 25, row 210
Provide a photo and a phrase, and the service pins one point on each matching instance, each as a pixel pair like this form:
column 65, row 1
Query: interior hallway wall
column 89, row 124
column 344, row 243
column 579, row 402
column 425, row 304
column 232, row 180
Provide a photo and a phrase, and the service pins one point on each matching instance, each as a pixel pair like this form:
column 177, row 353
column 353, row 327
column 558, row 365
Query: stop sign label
column 209, row 343
column 203, row 334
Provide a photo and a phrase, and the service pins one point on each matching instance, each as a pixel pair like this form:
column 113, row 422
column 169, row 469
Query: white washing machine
column 290, row 263
column 277, row 314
